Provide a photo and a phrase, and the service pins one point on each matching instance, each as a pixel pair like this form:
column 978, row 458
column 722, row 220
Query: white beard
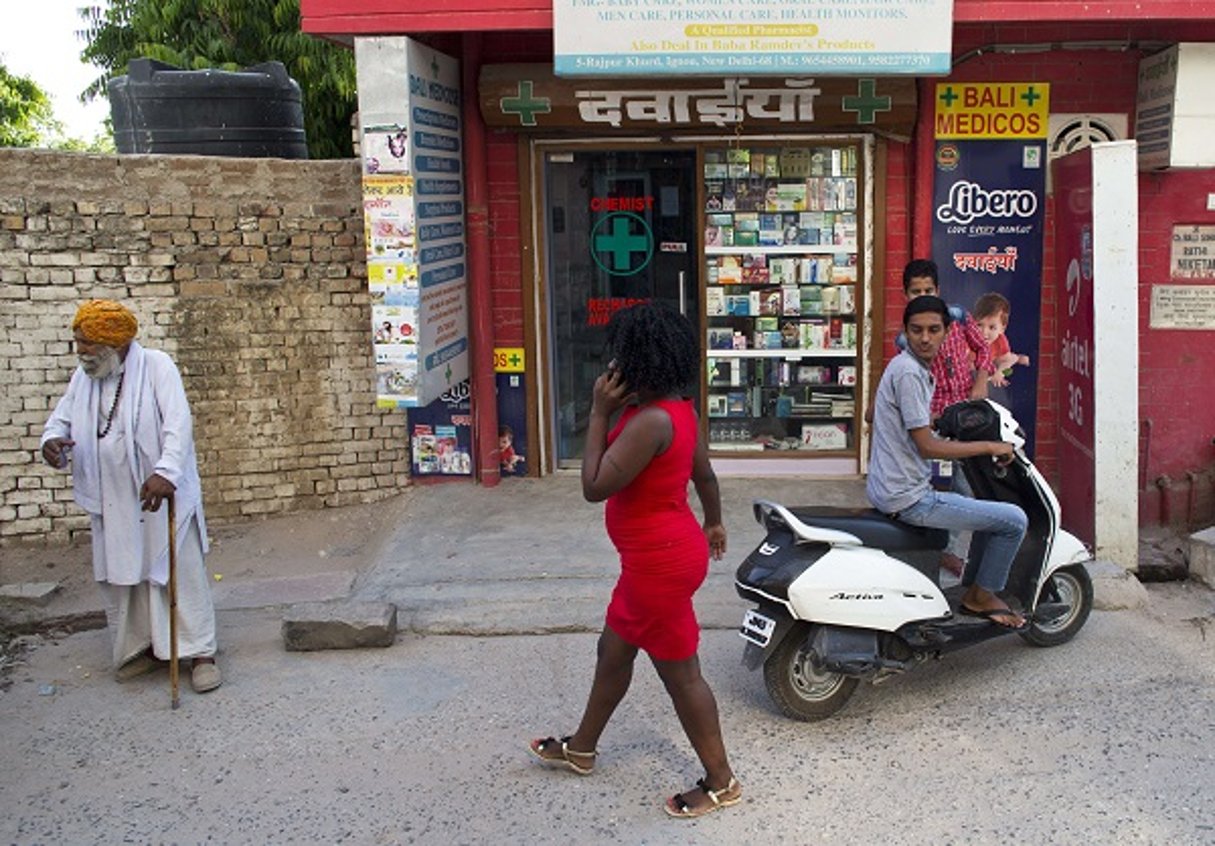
column 100, row 366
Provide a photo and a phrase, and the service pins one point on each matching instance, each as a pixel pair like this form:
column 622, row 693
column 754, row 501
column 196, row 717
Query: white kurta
column 151, row 432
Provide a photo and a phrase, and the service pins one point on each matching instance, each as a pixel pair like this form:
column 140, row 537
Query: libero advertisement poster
column 989, row 195
column 413, row 206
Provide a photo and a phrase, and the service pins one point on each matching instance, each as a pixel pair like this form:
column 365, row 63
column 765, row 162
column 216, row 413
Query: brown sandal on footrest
column 567, row 756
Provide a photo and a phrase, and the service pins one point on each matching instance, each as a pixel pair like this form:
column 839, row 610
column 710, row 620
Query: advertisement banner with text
column 989, row 193
column 1073, row 181
column 655, row 37
column 440, row 434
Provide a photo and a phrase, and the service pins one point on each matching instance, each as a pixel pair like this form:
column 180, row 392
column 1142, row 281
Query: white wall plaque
column 1183, row 307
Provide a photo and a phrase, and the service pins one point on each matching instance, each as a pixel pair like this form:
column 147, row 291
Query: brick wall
column 249, row 272
column 502, row 161
column 1176, row 368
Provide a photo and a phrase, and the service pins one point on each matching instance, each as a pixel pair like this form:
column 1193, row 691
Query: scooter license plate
column 757, row 628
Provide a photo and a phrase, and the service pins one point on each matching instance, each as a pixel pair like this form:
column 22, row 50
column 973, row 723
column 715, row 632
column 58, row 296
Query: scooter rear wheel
column 799, row 688
column 1071, row 586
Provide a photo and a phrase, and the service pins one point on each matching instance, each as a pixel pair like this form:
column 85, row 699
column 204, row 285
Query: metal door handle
column 683, row 305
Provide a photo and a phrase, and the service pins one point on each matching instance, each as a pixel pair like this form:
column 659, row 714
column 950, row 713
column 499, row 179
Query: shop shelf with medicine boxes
column 781, row 296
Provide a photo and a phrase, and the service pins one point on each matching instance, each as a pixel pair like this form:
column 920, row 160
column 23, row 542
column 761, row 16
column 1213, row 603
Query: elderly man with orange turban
column 124, row 426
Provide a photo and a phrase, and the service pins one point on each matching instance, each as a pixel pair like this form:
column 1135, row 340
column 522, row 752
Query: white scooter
column 846, row 594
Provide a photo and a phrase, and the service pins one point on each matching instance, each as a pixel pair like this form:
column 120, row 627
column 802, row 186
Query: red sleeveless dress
column 664, row 556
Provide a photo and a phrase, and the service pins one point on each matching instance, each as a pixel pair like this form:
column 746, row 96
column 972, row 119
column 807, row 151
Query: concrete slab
column 1202, row 556
column 313, row 626
column 282, row 590
column 1114, row 588
column 29, row 593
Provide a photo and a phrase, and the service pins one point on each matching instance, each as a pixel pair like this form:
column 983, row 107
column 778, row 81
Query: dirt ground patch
column 299, row 544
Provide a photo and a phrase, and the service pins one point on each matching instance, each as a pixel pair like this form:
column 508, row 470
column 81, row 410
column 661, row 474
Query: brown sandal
column 567, row 756
column 729, row 795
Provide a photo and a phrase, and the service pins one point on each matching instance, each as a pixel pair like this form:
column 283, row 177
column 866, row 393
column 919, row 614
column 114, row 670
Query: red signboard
column 1073, row 181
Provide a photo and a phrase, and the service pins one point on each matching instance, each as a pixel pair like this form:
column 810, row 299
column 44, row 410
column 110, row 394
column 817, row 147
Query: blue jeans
column 998, row 530
column 959, row 485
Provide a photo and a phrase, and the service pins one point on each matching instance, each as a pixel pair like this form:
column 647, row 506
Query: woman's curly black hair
column 654, row 347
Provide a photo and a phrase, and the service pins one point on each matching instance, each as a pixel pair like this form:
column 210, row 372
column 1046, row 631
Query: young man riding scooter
column 900, row 475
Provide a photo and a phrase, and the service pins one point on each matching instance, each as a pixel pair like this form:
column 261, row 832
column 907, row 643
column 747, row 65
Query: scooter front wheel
column 799, row 688
column 1072, row 587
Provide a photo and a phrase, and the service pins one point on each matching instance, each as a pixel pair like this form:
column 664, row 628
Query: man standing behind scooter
column 900, row 474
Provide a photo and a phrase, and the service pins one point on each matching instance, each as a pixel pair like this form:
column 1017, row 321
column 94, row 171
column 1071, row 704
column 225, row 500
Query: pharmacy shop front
column 754, row 207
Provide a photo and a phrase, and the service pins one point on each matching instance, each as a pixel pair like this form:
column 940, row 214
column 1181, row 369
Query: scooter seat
column 873, row 528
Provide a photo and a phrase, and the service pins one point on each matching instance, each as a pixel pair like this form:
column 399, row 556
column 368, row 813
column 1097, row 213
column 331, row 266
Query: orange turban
column 105, row 322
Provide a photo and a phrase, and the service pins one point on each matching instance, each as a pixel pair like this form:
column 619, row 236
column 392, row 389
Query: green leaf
column 228, row 34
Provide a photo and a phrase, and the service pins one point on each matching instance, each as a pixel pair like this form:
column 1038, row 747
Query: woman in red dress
column 642, row 468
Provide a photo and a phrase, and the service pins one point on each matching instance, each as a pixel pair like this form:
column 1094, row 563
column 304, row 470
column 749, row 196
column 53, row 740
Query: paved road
column 1109, row 739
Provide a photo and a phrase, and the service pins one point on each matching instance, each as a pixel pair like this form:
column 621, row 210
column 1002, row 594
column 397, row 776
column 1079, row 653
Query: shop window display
column 781, row 245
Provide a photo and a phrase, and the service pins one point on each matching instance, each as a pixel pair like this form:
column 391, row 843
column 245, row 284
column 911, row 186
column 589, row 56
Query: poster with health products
column 413, row 192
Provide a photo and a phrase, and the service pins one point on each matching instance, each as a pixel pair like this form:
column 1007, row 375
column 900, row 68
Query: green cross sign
column 514, row 359
column 622, row 243
column 948, row 96
column 525, row 105
column 1030, row 96
column 866, row 104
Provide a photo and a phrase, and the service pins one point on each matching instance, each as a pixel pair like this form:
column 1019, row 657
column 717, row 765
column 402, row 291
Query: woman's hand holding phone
column 610, row 392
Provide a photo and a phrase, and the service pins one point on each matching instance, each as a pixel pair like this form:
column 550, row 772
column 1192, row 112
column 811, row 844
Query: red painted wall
column 374, row 17
column 1175, row 381
column 504, row 236
column 505, row 230
column 1176, row 367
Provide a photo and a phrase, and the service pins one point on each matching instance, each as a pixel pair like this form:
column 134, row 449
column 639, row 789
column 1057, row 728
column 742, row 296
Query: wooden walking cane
column 173, row 669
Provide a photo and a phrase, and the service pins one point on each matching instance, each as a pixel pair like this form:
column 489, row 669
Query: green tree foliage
column 26, row 115
column 230, row 35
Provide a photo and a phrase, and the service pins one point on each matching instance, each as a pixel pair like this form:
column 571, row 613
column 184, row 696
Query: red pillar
column 924, row 151
column 480, row 295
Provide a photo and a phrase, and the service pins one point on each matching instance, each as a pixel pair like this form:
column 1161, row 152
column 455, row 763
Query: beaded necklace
column 109, row 418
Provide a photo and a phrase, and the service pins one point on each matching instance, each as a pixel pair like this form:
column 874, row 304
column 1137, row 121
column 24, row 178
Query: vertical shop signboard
column 510, row 375
column 413, row 204
column 989, row 194
column 1074, row 323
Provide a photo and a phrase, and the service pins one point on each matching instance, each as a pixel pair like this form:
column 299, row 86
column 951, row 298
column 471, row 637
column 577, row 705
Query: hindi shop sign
column 717, row 37
column 528, row 97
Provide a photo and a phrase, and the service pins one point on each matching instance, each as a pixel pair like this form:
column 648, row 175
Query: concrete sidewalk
column 455, row 558
column 530, row 555
column 533, row 556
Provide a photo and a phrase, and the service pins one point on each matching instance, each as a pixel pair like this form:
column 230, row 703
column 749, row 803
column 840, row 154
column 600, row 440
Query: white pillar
column 1116, row 351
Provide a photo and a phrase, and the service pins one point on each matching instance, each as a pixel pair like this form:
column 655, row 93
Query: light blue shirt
column 898, row 475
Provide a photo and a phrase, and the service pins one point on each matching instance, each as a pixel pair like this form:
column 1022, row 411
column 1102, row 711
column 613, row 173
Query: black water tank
column 257, row 112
